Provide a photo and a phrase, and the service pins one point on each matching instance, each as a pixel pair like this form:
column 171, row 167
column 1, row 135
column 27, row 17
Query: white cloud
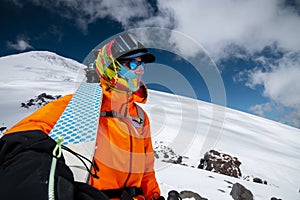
column 214, row 24
column 252, row 24
column 20, row 45
column 261, row 109
column 293, row 117
column 280, row 82
column 88, row 11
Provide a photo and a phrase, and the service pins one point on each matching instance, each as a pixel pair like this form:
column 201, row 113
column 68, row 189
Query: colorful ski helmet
column 109, row 68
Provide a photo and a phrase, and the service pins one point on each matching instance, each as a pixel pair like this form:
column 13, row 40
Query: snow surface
column 24, row 76
column 267, row 149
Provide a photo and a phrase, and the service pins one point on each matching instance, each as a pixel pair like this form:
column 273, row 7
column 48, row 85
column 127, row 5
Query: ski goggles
column 134, row 64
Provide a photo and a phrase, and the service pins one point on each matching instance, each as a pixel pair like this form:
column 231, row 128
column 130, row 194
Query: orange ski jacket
column 124, row 151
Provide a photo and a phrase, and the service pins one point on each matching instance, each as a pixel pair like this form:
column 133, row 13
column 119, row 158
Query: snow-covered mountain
column 26, row 75
column 183, row 130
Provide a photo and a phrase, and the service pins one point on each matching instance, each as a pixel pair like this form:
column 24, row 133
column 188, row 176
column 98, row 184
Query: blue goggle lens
column 133, row 64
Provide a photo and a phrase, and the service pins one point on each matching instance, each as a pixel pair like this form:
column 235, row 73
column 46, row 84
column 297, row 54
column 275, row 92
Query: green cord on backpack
column 56, row 155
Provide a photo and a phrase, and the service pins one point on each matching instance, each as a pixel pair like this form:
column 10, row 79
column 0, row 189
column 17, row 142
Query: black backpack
column 25, row 163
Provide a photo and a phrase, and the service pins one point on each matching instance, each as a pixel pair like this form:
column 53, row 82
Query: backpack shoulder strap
column 140, row 119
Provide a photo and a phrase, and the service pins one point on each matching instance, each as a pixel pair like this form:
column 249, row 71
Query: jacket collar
column 120, row 101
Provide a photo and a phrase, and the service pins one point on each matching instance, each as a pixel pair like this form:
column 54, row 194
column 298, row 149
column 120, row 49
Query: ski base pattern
column 78, row 125
column 79, row 121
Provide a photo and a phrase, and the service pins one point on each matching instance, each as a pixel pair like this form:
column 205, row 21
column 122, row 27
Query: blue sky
column 254, row 44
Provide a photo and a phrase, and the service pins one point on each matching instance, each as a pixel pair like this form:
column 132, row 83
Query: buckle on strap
column 134, row 191
column 110, row 114
column 118, row 115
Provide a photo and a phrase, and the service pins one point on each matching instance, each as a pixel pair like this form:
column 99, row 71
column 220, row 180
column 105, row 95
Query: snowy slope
column 23, row 76
column 267, row 149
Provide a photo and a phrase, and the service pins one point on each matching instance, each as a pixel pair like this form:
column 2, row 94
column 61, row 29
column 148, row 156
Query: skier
column 124, row 152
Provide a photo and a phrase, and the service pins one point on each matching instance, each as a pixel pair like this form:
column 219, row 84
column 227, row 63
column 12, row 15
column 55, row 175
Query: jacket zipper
column 130, row 163
column 131, row 146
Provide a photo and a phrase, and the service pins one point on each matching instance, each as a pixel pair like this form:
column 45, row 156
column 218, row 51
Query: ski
column 78, row 126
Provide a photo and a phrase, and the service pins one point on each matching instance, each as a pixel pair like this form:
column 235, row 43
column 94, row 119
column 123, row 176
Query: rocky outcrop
column 185, row 194
column 239, row 192
column 39, row 101
column 259, row 180
column 221, row 163
column 166, row 154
